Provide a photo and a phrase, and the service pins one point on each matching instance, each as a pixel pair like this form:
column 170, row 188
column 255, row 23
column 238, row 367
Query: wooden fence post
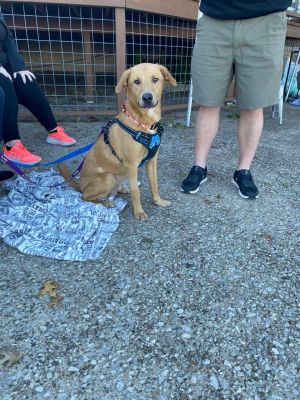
column 89, row 65
column 120, row 24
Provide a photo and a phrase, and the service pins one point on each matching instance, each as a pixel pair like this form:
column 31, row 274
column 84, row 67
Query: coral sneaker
column 20, row 154
column 60, row 137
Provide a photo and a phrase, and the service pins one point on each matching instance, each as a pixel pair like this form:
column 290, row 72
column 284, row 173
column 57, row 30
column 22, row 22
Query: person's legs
column 249, row 133
column 207, row 124
column 4, row 175
column 258, row 68
column 13, row 148
column 212, row 72
column 10, row 131
column 31, row 96
column 206, row 129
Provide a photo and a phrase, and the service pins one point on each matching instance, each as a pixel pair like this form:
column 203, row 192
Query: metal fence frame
column 184, row 10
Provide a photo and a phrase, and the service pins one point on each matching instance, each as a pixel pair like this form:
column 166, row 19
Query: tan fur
column 102, row 173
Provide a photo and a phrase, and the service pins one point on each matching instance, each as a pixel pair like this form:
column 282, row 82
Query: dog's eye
column 154, row 80
column 137, row 81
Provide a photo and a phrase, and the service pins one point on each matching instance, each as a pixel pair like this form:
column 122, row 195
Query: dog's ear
column 166, row 74
column 123, row 82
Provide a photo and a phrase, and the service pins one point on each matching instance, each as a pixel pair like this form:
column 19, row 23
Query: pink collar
column 135, row 121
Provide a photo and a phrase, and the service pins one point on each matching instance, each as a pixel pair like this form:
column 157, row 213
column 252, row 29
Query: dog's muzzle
column 147, row 100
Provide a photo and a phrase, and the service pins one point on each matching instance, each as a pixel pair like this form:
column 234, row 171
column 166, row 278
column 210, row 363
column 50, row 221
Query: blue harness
column 150, row 141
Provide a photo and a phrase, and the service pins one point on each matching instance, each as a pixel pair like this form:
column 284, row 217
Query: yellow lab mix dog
column 118, row 153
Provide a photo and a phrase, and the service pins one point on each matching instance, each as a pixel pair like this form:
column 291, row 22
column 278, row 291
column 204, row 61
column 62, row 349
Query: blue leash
column 75, row 153
column 14, row 165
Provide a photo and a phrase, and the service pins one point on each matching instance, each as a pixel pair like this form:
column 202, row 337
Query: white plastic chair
column 279, row 105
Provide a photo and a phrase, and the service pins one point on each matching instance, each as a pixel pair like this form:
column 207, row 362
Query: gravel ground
column 199, row 302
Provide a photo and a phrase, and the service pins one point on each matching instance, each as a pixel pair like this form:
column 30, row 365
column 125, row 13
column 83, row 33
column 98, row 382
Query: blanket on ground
column 55, row 222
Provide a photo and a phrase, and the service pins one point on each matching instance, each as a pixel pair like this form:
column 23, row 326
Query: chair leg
column 273, row 111
column 280, row 111
column 280, row 104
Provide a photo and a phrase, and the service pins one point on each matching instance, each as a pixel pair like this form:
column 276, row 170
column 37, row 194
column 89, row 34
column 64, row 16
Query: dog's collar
column 135, row 121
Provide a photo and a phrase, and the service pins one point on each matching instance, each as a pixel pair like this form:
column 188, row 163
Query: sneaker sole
column 20, row 163
column 55, row 141
column 196, row 190
column 240, row 193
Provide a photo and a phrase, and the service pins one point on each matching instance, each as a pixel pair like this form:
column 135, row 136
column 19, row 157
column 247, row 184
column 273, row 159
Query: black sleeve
column 14, row 58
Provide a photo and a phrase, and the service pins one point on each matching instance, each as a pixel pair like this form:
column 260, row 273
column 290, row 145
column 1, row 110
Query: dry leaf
column 208, row 201
column 49, row 288
column 266, row 237
column 9, row 357
column 233, row 116
column 213, row 174
column 54, row 301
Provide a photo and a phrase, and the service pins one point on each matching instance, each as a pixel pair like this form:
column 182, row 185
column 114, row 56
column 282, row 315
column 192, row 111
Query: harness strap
column 150, row 141
column 106, row 138
column 140, row 137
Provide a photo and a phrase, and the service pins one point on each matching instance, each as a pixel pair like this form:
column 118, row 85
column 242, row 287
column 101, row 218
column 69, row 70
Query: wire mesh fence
column 72, row 50
column 165, row 40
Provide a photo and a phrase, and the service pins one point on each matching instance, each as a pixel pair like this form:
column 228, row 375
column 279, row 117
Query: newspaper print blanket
column 55, row 222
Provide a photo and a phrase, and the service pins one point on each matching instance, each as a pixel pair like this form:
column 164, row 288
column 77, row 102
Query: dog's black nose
column 147, row 98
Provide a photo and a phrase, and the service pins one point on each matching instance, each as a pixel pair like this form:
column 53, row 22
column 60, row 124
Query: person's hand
column 5, row 73
column 24, row 74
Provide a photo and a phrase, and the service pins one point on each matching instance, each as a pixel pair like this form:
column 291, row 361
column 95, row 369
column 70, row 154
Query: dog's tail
column 65, row 173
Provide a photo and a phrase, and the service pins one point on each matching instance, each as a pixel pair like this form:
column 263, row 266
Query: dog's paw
column 141, row 215
column 107, row 203
column 123, row 190
column 162, row 202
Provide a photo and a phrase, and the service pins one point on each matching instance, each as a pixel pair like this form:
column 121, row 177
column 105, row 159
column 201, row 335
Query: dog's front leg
column 138, row 211
column 151, row 168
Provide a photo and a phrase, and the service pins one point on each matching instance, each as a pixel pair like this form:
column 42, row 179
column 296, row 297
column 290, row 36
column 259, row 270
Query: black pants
column 29, row 95
column 2, row 102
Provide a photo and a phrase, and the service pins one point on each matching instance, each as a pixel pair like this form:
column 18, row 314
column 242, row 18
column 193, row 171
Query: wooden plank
column 93, row 3
column 120, row 49
column 78, row 113
column 53, row 24
column 186, row 9
column 70, row 113
column 88, row 63
column 293, row 31
column 293, row 14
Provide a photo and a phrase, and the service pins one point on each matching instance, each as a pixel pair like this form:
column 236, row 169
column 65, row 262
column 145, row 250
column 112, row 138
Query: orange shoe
column 60, row 137
column 20, row 154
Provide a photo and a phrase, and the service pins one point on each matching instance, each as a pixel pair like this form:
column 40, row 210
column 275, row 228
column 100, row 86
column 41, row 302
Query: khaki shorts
column 249, row 49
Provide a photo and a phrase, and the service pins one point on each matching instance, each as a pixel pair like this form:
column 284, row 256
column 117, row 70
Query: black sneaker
column 243, row 180
column 195, row 178
column 4, row 175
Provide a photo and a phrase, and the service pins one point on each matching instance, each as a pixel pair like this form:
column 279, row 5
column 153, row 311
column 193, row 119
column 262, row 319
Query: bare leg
column 207, row 124
column 248, row 133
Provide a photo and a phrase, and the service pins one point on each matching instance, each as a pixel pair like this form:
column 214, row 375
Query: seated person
column 21, row 87
column 4, row 175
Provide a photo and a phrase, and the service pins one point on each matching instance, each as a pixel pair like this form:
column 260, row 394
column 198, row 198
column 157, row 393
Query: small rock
column 73, row 369
column 120, row 386
column 186, row 336
column 214, row 382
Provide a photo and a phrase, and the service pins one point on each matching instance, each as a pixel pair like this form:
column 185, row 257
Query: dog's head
column 144, row 83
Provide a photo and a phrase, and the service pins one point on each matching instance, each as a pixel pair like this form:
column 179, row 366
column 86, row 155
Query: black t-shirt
column 242, row 9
